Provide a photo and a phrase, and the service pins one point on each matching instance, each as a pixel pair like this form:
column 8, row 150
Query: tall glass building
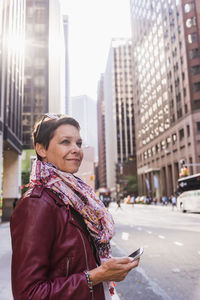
column 12, row 34
column 43, row 75
column 166, row 87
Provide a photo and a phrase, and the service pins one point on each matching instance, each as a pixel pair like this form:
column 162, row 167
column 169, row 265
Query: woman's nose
column 75, row 148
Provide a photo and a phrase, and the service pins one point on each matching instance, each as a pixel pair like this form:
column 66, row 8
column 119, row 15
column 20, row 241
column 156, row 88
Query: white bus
column 189, row 197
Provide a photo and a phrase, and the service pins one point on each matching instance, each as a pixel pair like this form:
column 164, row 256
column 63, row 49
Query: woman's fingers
column 114, row 269
column 123, row 261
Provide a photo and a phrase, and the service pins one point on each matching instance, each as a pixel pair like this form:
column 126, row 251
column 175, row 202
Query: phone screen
column 136, row 253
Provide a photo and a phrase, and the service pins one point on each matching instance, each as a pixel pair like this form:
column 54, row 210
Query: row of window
column 164, row 144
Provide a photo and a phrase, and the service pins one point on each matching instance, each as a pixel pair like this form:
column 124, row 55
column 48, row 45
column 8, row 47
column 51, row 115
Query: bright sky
column 92, row 25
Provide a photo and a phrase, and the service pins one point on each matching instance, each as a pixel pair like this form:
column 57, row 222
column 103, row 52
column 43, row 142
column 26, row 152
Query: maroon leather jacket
column 50, row 251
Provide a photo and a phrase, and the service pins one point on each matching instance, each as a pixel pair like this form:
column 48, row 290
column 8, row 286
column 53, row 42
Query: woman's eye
column 79, row 144
column 65, row 142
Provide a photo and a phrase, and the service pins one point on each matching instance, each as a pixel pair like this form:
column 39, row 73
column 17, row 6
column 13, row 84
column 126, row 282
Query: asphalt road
column 170, row 266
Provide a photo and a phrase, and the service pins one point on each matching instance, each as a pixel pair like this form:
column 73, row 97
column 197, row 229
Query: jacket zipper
column 67, row 268
column 86, row 257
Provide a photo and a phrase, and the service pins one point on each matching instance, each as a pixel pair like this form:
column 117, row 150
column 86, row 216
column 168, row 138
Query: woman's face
column 64, row 149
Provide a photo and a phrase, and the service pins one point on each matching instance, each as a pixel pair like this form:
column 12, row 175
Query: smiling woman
column 62, row 146
column 60, row 230
column 64, row 149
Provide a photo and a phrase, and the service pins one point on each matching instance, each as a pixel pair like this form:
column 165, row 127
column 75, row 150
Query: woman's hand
column 114, row 269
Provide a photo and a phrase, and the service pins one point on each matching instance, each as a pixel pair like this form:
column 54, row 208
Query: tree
column 130, row 186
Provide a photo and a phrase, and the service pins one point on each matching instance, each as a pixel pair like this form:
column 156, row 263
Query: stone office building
column 119, row 114
column 166, row 85
column 101, row 133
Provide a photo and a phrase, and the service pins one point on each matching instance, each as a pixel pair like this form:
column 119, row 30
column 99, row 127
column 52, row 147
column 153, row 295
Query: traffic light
column 92, row 177
column 184, row 172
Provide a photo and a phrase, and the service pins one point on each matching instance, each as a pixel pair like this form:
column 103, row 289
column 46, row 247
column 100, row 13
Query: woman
column 60, row 231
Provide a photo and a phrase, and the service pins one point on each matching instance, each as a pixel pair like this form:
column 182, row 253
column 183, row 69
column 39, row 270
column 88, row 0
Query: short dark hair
column 44, row 130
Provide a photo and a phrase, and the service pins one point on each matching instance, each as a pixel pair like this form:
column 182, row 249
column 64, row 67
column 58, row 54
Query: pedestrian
column 173, row 200
column 155, row 200
column 118, row 203
column 132, row 200
column 60, row 230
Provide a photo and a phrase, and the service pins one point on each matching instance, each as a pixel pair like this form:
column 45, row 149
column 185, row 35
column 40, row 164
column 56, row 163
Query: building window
column 198, row 127
column 196, row 87
column 182, row 60
column 162, row 144
column 188, row 130
column 192, row 37
column 194, row 53
column 197, row 104
column 190, row 22
column 174, row 138
column 194, row 70
column 157, row 148
column 181, row 134
column 179, row 113
column 168, row 141
column 188, row 7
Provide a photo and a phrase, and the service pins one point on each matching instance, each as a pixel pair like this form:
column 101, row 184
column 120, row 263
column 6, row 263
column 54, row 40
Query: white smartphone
column 136, row 254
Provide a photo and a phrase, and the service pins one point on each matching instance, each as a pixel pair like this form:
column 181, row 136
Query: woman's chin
column 70, row 170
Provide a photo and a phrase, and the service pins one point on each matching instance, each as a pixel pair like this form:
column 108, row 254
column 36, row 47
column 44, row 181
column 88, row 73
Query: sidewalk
column 5, row 263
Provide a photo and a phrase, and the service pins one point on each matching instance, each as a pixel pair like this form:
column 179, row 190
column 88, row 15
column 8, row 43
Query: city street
column 170, row 266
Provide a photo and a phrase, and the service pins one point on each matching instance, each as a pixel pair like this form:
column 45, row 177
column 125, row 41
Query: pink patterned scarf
column 81, row 197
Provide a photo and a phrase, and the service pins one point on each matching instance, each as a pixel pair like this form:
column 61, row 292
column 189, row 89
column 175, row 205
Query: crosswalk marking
column 161, row 237
column 125, row 236
column 178, row 243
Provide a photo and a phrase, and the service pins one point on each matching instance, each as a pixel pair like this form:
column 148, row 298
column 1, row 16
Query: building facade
column 84, row 110
column 119, row 112
column 12, row 34
column 101, row 134
column 43, row 91
column 166, row 85
column 87, row 168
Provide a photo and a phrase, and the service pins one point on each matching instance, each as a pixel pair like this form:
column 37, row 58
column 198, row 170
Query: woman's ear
column 40, row 149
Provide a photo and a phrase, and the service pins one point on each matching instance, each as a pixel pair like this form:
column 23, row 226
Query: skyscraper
column 119, row 111
column 84, row 109
column 12, row 32
column 101, row 134
column 166, row 76
column 43, row 66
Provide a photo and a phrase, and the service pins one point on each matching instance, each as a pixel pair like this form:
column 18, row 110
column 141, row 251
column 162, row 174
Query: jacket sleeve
column 33, row 231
